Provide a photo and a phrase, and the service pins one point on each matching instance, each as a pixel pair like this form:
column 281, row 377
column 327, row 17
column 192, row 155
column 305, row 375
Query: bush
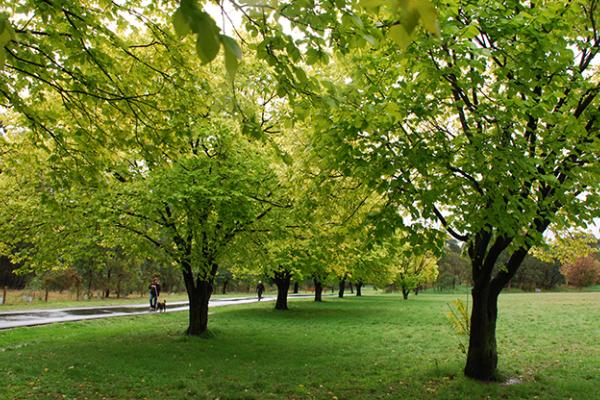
column 585, row 271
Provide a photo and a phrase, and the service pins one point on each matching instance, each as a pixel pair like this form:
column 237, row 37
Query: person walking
column 154, row 288
column 260, row 288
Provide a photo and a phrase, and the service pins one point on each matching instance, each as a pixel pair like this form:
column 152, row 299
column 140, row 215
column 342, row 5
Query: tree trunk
column 482, row 357
column 107, row 290
column 199, row 291
column 318, row 289
column 417, row 290
column 282, row 280
column 4, row 294
column 46, row 295
column 296, row 287
column 225, row 283
column 198, row 315
column 405, row 292
column 342, row 287
column 119, row 286
column 351, row 287
column 90, row 277
column 359, row 286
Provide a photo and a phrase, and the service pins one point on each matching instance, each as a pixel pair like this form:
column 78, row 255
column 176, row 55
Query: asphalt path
column 15, row 319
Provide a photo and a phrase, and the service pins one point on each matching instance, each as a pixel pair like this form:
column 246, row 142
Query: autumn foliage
column 584, row 271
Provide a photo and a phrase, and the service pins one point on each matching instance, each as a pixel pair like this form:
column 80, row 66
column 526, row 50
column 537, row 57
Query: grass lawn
column 374, row 347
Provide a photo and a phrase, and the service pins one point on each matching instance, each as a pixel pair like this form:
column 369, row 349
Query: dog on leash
column 161, row 307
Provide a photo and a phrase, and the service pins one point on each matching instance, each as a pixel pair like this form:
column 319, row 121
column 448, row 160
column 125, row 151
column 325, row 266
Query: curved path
column 15, row 319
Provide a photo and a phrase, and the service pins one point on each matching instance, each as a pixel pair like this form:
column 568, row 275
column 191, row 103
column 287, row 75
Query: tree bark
column 90, row 278
column 482, row 357
column 342, row 288
column 359, row 286
column 107, row 289
column 296, row 287
column 199, row 291
column 282, row 280
column 318, row 289
column 225, row 283
column 198, row 316
column 351, row 287
column 405, row 292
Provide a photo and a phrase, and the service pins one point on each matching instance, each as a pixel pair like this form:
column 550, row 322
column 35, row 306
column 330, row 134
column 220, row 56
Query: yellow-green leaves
column 399, row 35
column 6, row 35
column 405, row 16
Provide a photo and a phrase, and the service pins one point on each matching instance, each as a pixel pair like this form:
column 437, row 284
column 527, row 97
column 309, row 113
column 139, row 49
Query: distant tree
column 584, row 271
column 453, row 267
column 535, row 273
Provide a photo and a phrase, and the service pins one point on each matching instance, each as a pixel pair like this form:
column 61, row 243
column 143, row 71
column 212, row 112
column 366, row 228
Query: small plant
column 460, row 321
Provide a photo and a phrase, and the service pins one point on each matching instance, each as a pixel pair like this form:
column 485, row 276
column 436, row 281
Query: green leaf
column 233, row 54
column 231, row 46
column 207, row 43
column 371, row 3
column 429, row 18
column 399, row 35
column 180, row 23
column 6, row 31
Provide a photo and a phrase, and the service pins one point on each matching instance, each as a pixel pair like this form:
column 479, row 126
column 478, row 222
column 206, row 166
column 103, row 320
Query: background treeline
column 117, row 275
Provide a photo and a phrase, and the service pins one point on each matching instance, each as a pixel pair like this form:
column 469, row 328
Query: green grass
column 376, row 347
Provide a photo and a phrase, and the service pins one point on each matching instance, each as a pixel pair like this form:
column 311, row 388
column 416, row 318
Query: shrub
column 585, row 271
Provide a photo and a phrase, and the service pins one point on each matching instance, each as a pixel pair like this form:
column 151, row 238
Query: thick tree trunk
column 359, row 286
column 282, row 280
column 482, row 357
column 342, row 287
column 199, row 291
column 405, row 292
column 296, row 287
column 318, row 289
column 198, row 316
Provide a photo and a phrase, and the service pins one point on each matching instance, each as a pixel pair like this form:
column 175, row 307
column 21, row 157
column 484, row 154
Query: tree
column 453, row 267
column 535, row 273
column 489, row 132
column 584, row 271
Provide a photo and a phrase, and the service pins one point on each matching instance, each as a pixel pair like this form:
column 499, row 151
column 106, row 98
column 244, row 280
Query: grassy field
column 374, row 347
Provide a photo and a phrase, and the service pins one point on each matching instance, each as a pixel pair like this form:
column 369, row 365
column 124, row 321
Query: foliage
column 537, row 274
column 567, row 247
column 584, row 271
column 453, row 267
column 458, row 316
